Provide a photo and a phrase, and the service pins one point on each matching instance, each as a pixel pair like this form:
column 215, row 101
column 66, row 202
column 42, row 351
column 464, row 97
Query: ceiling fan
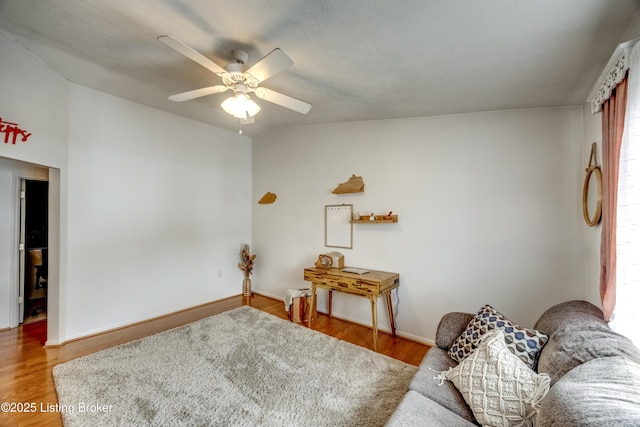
column 240, row 81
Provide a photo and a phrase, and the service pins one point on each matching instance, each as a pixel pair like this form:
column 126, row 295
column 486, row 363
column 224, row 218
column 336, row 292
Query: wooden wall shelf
column 380, row 219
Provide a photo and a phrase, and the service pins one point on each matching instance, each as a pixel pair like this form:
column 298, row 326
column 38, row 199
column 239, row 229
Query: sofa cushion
column 419, row 411
column 524, row 343
column 500, row 389
column 446, row 395
column 601, row 392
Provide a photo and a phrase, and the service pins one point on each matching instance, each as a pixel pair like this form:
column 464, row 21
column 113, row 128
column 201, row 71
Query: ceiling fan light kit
column 240, row 105
column 242, row 82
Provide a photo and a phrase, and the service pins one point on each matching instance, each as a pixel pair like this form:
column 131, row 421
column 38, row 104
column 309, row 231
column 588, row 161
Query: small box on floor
column 300, row 308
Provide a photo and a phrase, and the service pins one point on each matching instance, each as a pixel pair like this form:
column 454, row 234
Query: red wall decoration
column 12, row 132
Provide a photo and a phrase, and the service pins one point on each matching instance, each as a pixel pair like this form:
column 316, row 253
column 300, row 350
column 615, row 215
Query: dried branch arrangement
column 246, row 260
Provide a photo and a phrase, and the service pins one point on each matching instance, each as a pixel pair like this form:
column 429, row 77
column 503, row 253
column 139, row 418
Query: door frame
column 16, row 307
column 22, row 249
column 57, row 242
column 22, row 242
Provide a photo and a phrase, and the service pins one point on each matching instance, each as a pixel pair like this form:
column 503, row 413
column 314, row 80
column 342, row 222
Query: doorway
column 34, row 259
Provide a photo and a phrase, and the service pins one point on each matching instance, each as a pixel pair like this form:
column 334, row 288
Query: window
column 626, row 318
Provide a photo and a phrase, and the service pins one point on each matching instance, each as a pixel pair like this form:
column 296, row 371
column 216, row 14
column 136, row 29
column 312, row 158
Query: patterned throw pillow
column 497, row 386
column 524, row 343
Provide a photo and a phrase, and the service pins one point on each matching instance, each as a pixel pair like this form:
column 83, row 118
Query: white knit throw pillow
column 500, row 389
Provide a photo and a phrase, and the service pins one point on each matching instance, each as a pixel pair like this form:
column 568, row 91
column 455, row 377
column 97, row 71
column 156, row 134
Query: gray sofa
column 595, row 374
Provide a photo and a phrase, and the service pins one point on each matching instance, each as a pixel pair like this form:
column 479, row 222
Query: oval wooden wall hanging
column 592, row 190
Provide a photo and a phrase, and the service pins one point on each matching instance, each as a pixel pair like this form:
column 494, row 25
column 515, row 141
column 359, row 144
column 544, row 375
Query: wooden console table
column 372, row 285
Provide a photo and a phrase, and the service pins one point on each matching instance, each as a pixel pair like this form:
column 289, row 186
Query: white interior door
column 21, row 249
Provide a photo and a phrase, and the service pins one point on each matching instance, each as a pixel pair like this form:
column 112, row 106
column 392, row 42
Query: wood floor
column 25, row 365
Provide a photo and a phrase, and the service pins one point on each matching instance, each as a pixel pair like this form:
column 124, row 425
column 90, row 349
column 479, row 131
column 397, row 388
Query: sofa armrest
column 451, row 326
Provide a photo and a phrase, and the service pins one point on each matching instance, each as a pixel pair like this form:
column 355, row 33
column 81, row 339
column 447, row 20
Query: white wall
column 592, row 128
column 147, row 209
column 489, row 209
column 35, row 97
column 158, row 207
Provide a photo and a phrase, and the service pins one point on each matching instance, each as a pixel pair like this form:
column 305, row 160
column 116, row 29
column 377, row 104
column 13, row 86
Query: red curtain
column 613, row 111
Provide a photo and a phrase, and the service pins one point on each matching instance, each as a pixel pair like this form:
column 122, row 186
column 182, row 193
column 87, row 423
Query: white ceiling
column 353, row 60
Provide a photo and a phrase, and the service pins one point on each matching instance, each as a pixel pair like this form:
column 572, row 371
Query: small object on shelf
column 376, row 219
column 372, row 217
column 355, row 184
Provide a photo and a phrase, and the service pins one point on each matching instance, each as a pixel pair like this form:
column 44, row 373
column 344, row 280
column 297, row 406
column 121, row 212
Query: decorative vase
column 246, row 287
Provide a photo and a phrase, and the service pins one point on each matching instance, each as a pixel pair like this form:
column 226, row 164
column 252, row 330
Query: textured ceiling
column 353, row 60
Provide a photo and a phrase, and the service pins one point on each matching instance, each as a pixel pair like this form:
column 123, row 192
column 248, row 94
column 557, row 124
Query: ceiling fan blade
column 274, row 62
column 192, row 94
column 283, row 100
column 185, row 50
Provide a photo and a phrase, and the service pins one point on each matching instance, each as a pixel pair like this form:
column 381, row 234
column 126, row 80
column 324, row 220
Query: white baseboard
column 266, row 294
column 341, row 316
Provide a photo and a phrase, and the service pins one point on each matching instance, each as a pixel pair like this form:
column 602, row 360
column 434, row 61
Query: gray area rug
column 243, row 367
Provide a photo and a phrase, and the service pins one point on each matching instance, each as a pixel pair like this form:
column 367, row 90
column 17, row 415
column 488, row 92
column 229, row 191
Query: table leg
column 392, row 317
column 374, row 322
column 313, row 300
column 330, row 302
